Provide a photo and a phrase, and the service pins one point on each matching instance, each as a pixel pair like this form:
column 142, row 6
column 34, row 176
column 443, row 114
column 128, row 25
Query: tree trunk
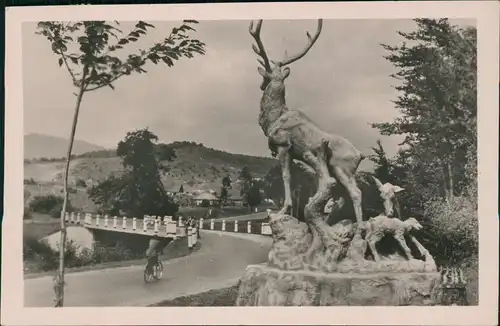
column 450, row 181
column 445, row 184
column 59, row 287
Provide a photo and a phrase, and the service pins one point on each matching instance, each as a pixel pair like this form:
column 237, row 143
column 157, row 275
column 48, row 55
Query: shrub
column 29, row 181
column 205, row 203
column 80, row 183
column 183, row 199
column 47, row 259
column 452, row 228
column 103, row 253
column 27, row 215
column 32, row 246
column 48, row 204
column 39, row 251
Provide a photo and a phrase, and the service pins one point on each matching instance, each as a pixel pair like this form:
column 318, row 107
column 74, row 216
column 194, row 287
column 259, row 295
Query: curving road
column 249, row 217
column 219, row 263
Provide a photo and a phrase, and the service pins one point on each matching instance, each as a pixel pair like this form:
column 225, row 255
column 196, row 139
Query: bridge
column 166, row 227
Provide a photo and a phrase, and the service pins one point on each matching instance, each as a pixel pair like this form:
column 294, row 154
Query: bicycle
column 156, row 273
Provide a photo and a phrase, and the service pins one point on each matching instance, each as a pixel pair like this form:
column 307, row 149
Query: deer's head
column 412, row 224
column 278, row 72
column 388, row 193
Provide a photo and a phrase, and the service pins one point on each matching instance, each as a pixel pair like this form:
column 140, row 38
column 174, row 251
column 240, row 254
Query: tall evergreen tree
column 437, row 100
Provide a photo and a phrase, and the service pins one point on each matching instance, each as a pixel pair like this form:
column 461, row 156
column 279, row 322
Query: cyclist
column 192, row 222
column 156, row 246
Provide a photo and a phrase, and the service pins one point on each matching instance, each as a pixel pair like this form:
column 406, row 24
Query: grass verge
column 35, row 272
column 214, row 298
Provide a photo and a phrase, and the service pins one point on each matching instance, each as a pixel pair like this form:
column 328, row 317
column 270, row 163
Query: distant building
column 235, row 201
column 269, row 201
column 211, row 198
column 171, row 192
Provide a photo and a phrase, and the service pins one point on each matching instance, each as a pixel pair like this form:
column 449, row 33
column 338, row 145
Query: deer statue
column 379, row 226
column 293, row 136
column 388, row 193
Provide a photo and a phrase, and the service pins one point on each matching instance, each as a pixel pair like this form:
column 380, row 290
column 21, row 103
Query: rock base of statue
column 315, row 264
column 262, row 285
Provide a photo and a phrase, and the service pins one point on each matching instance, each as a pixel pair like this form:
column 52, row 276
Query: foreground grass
column 213, row 298
column 40, row 226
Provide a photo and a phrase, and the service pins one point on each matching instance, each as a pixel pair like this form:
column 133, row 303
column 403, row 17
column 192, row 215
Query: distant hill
column 44, row 146
column 195, row 168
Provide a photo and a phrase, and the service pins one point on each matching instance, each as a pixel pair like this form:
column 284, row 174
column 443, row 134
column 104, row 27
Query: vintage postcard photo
column 319, row 161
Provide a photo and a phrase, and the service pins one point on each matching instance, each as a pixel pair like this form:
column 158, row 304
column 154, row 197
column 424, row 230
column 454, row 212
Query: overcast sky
column 343, row 84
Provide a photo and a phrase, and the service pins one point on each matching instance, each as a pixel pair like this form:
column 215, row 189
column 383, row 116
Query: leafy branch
column 98, row 58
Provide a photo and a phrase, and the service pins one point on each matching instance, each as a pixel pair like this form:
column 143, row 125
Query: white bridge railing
column 243, row 226
column 166, row 227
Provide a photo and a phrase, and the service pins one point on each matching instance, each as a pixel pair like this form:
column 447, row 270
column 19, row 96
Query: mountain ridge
column 38, row 146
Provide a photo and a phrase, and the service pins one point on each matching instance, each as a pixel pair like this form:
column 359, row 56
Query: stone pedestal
column 312, row 263
column 262, row 285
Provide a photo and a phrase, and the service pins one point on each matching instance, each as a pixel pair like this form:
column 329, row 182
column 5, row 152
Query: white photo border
column 486, row 14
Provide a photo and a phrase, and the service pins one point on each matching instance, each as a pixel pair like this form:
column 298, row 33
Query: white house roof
column 207, row 196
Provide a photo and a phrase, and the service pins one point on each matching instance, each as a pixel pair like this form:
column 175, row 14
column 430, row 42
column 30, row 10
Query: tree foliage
column 250, row 188
column 139, row 190
column 226, row 182
column 245, row 180
column 224, row 190
column 303, row 185
column 253, row 195
column 47, row 204
column 437, row 75
column 437, row 162
column 382, row 165
column 92, row 51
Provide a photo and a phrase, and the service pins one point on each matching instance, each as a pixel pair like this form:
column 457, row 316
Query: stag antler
column 311, row 42
column 259, row 49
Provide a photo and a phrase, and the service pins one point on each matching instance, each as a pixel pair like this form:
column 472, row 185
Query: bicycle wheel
column 159, row 270
column 148, row 276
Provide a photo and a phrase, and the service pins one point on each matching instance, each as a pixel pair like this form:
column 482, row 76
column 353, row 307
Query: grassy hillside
column 196, row 168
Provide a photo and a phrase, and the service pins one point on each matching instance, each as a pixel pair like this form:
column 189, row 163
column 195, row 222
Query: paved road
column 219, row 263
column 255, row 216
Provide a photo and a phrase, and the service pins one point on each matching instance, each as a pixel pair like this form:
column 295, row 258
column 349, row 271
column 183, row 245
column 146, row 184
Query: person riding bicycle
column 156, row 246
column 194, row 223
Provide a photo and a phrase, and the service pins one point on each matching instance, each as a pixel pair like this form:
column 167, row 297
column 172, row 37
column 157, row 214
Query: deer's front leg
column 424, row 252
column 373, row 237
column 402, row 242
column 285, row 163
